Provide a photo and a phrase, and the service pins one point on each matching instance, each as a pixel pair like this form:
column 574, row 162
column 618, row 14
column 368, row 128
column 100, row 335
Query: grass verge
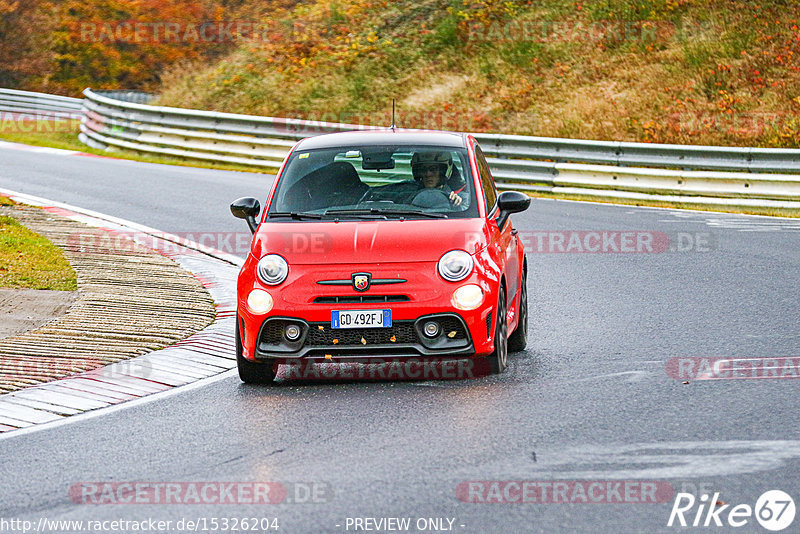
column 712, row 72
column 28, row 260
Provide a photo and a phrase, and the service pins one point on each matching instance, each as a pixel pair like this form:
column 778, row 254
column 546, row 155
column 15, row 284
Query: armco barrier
column 39, row 104
column 686, row 157
column 205, row 135
column 694, row 174
column 695, row 183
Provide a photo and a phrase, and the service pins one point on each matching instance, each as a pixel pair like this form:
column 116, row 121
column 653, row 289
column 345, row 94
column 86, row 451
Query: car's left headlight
column 272, row 269
column 455, row 265
column 259, row 301
column 468, row 297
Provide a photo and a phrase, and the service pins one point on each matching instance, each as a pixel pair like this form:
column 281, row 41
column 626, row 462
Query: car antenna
column 394, row 128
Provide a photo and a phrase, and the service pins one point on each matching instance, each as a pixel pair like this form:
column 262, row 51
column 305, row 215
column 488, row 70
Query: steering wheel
column 432, row 198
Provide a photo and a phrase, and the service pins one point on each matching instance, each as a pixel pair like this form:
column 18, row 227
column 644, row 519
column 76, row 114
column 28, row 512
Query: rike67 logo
column 774, row 510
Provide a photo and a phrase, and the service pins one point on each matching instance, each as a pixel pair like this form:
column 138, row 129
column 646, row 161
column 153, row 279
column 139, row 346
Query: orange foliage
column 65, row 46
column 127, row 43
column 23, row 37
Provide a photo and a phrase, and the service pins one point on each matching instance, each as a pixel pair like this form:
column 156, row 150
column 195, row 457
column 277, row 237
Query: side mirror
column 511, row 202
column 247, row 208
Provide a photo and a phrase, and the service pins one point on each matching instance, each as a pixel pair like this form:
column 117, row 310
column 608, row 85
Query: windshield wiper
column 296, row 215
column 378, row 211
column 354, row 213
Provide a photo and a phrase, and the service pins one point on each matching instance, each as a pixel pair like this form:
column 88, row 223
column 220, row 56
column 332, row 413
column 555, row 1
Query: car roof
column 384, row 137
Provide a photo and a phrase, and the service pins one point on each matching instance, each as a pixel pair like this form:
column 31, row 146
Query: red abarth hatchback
column 382, row 244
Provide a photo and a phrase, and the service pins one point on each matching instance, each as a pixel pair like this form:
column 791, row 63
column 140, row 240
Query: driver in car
column 434, row 171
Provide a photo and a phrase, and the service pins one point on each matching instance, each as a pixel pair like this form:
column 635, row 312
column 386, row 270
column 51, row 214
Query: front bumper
column 404, row 339
column 302, row 299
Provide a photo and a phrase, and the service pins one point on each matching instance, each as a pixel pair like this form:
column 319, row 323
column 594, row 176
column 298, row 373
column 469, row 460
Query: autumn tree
column 65, row 46
column 127, row 43
column 25, row 42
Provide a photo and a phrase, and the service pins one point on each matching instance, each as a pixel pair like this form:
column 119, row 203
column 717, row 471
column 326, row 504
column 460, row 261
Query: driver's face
column 430, row 175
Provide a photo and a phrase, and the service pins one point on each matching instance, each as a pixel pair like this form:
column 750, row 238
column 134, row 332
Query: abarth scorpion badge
column 361, row 281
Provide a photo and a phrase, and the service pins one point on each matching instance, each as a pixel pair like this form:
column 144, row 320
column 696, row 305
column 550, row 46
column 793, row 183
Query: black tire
column 252, row 372
column 519, row 339
column 498, row 360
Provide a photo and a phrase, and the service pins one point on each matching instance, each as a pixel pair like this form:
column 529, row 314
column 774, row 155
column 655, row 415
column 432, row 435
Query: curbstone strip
column 201, row 309
column 115, row 298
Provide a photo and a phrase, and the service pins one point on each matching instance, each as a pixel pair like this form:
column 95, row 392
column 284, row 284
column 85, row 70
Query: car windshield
column 375, row 182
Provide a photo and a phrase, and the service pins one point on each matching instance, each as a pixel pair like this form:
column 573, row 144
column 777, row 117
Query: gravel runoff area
column 130, row 301
column 22, row 310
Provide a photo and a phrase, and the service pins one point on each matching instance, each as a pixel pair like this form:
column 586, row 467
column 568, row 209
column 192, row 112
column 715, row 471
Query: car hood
column 368, row 242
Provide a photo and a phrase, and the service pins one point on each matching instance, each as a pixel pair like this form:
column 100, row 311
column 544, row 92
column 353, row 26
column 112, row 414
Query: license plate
column 361, row 318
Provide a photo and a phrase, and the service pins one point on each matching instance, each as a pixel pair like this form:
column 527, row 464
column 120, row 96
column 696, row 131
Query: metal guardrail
column 698, row 174
column 686, row 157
column 516, row 161
column 40, row 105
column 204, row 135
column 138, row 97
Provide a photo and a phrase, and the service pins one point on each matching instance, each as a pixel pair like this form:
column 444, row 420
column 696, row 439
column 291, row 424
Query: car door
column 505, row 238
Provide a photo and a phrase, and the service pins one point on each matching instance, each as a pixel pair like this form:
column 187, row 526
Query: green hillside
column 676, row 71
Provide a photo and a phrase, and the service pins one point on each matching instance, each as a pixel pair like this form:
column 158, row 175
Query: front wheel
column 252, row 372
column 519, row 339
column 498, row 360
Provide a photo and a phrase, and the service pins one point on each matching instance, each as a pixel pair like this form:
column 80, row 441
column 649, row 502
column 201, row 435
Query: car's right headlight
column 455, row 265
column 272, row 269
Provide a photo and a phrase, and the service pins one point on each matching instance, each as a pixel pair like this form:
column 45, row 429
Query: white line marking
column 117, row 407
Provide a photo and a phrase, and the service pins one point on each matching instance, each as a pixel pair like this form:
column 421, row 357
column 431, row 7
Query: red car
column 381, row 244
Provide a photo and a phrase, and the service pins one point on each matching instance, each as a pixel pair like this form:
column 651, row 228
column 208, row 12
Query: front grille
column 361, row 299
column 322, row 335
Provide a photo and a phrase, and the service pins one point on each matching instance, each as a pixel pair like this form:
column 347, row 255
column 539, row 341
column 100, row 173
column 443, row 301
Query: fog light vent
column 292, row 332
column 431, row 329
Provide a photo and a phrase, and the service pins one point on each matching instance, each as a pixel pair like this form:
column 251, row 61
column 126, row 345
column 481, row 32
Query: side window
column 489, row 189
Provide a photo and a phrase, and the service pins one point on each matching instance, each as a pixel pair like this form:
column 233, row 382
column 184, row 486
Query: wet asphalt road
column 589, row 400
